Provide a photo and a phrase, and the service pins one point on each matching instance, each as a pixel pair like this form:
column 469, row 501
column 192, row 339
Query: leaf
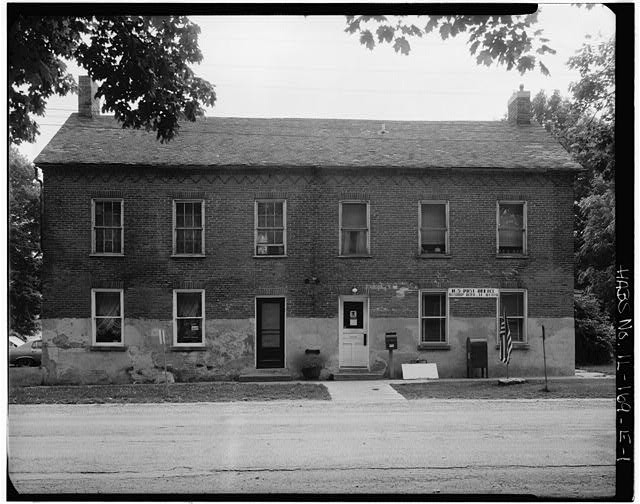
column 445, row 31
column 474, row 47
column 543, row 68
column 484, row 58
column 431, row 24
column 385, row 33
column 366, row 39
column 402, row 46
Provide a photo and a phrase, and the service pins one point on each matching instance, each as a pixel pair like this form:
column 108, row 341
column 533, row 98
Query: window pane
column 115, row 239
column 270, row 316
column 189, row 330
column 434, row 215
column 512, row 303
column 108, row 330
column 278, row 214
column 510, row 239
column 354, row 242
column 100, row 240
column 99, row 213
column 354, row 215
column 433, row 305
column 433, row 330
column 353, row 315
column 107, row 304
column 116, row 208
column 262, row 237
column 275, row 250
column 189, row 304
column 197, row 215
column 511, row 215
column 516, row 328
column 277, row 237
column 433, row 241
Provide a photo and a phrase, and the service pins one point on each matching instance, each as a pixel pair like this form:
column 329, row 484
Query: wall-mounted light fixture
column 354, row 290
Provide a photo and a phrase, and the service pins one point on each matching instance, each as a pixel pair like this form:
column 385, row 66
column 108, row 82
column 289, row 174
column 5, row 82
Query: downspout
column 41, row 205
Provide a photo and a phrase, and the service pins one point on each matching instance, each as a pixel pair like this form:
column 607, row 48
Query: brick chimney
column 519, row 107
column 88, row 105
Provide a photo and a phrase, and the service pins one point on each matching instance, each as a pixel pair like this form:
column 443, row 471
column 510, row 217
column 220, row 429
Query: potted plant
column 312, row 364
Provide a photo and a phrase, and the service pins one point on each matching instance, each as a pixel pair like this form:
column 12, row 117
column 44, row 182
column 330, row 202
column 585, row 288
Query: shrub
column 311, row 365
column 595, row 336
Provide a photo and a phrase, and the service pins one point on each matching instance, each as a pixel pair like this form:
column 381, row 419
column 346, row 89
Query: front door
column 270, row 332
column 354, row 331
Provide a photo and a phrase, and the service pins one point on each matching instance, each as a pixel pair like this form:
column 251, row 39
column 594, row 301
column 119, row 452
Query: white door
column 354, row 331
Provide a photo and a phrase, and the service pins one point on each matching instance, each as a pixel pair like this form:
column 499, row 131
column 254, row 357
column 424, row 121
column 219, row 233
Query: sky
column 292, row 66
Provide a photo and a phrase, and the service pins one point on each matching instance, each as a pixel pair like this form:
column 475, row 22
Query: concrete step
column 266, row 375
column 348, row 374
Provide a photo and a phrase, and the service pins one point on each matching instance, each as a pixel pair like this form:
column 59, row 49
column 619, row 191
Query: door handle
column 365, row 339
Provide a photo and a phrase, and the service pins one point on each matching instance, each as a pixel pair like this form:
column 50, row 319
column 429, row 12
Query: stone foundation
column 68, row 357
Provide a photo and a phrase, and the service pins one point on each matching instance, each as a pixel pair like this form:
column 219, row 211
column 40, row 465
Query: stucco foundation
column 69, row 358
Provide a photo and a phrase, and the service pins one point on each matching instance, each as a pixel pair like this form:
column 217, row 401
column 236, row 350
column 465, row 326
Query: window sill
column 355, row 256
column 512, row 256
column 267, row 256
column 189, row 348
column 517, row 346
column 105, row 348
column 105, row 255
column 433, row 346
column 188, row 256
column 434, row 256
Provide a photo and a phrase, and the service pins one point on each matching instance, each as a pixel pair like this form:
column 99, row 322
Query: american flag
column 505, row 339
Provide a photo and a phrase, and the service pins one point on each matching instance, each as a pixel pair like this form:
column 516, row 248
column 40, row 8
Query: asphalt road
column 553, row 448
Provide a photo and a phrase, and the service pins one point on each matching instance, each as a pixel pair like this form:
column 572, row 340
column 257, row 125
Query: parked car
column 15, row 341
column 28, row 354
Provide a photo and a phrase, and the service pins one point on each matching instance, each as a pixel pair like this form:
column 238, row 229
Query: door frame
column 366, row 327
column 255, row 330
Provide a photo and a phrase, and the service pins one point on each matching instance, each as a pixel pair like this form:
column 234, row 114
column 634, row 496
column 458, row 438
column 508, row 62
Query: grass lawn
column 489, row 389
column 177, row 392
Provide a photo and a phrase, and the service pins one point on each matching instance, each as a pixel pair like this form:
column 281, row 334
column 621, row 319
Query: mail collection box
column 390, row 341
column 477, row 356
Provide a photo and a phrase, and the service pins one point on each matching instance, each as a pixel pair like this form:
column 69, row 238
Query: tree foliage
column 585, row 125
column 594, row 333
column 142, row 65
column 510, row 41
column 25, row 259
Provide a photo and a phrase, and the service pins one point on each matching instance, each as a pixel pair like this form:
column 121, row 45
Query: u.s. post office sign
column 473, row 292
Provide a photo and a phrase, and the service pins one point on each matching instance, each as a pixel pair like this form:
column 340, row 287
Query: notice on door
column 353, row 318
column 474, row 292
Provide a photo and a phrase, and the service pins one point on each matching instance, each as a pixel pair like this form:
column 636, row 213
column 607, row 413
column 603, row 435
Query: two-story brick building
column 249, row 241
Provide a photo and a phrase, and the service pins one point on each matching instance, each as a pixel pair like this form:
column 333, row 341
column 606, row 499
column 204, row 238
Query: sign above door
column 474, row 292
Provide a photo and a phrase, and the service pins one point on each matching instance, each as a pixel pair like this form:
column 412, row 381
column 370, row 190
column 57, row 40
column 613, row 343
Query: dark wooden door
column 270, row 332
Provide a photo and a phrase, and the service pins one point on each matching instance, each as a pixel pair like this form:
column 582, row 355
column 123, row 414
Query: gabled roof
column 217, row 141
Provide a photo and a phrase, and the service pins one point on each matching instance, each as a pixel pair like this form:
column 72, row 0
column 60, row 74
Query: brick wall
column 233, row 277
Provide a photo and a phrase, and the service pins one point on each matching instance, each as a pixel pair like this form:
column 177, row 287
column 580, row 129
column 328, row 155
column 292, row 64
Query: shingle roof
column 217, row 141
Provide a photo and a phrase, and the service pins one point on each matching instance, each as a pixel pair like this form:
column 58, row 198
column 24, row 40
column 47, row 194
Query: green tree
column 25, row 259
column 142, row 65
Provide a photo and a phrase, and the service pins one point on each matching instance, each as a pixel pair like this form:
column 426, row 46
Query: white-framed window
column 107, row 226
column 354, row 228
column 270, row 236
column 188, row 317
column 434, row 316
column 513, row 302
column 511, row 227
column 188, row 227
column 433, row 227
column 107, row 317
